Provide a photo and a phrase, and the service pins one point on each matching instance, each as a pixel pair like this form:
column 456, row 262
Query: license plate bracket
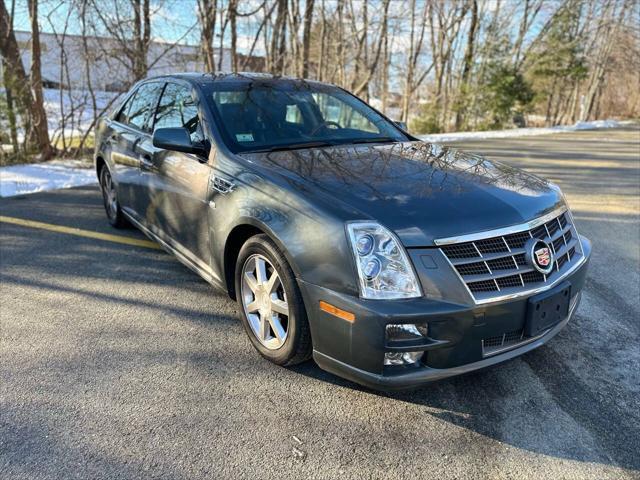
column 547, row 309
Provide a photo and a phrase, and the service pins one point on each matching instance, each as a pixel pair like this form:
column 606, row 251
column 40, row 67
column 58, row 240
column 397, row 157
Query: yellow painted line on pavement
column 80, row 233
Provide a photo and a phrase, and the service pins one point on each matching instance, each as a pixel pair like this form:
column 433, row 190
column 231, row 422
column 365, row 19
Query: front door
column 179, row 193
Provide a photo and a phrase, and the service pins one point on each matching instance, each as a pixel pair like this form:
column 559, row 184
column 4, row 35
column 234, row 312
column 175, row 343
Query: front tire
column 110, row 199
column 271, row 305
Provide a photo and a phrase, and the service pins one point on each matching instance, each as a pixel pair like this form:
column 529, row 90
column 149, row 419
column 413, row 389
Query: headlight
column 383, row 266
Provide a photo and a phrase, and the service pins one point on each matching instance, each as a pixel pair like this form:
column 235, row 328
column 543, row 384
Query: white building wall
column 109, row 69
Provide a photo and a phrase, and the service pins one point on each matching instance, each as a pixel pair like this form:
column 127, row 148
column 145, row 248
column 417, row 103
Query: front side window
column 138, row 108
column 257, row 116
column 178, row 109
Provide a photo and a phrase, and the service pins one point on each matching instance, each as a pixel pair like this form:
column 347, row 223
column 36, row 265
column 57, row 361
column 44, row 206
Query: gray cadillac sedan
column 393, row 262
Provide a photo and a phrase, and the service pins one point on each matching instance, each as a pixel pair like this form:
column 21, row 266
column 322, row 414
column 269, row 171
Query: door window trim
column 153, row 106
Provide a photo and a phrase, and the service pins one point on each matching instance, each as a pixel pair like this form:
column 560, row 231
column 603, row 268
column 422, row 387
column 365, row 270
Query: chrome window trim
column 500, row 232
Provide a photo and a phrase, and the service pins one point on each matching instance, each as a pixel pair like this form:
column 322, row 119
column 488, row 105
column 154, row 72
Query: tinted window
column 136, row 111
column 260, row 116
column 178, row 109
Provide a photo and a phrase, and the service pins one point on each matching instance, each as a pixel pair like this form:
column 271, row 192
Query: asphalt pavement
column 118, row 362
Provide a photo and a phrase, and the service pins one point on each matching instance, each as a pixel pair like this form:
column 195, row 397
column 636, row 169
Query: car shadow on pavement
column 531, row 403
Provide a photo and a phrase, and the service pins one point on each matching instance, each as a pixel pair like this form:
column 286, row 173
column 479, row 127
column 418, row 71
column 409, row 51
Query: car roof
column 237, row 78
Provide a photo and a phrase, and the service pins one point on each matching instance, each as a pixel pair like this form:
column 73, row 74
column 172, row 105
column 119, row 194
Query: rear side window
column 178, row 109
column 136, row 112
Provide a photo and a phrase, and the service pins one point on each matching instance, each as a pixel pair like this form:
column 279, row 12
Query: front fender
column 312, row 238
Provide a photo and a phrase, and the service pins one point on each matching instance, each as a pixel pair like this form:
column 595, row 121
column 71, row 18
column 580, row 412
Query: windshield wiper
column 375, row 140
column 293, row 146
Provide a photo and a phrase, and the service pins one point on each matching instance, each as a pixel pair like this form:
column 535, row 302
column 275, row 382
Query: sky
column 176, row 21
column 172, row 20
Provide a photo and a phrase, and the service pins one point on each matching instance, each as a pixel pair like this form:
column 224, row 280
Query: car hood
column 421, row 191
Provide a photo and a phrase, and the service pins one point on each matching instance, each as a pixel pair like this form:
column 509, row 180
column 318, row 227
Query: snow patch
column 519, row 132
column 38, row 177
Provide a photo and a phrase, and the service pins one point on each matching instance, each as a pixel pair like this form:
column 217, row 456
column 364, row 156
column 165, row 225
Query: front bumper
column 455, row 344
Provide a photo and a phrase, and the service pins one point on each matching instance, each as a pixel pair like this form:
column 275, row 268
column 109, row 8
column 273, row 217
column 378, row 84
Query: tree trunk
column 232, row 12
column 278, row 39
column 208, row 11
column 323, row 43
column 293, row 65
column 39, row 116
column 16, row 75
column 385, row 74
column 306, row 37
column 11, row 113
column 408, row 82
column 142, row 37
column 341, row 42
column 466, row 69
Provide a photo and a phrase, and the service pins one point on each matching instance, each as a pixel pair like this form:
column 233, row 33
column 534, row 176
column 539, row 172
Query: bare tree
column 467, row 62
column 416, row 43
column 133, row 35
column 279, row 39
column 367, row 70
column 609, row 26
column 306, row 39
column 207, row 13
column 141, row 36
column 11, row 110
column 16, row 78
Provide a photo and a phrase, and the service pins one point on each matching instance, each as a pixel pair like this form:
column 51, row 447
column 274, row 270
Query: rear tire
column 271, row 306
column 110, row 199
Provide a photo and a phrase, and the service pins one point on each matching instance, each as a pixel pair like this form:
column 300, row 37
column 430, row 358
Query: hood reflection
column 420, row 190
column 421, row 169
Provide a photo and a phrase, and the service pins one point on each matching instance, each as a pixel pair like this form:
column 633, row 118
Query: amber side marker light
column 327, row 307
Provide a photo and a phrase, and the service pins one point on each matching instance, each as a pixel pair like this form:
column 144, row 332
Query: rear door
column 131, row 129
column 121, row 143
column 179, row 196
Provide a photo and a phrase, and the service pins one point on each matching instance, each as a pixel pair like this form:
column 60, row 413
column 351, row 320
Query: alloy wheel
column 265, row 302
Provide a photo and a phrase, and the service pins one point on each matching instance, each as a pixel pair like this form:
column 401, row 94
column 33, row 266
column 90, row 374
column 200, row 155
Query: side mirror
column 402, row 125
column 175, row 139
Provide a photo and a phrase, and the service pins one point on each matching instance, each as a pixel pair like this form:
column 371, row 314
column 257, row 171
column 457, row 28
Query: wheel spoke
column 264, row 328
column 273, row 283
column 261, row 270
column 253, row 307
column 279, row 306
column 276, row 326
column 252, row 283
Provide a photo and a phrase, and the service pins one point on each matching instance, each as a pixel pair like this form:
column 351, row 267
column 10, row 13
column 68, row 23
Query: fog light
column 401, row 358
column 398, row 333
column 405, row 331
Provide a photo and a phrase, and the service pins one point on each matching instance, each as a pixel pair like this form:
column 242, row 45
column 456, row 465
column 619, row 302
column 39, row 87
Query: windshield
column 286, row 115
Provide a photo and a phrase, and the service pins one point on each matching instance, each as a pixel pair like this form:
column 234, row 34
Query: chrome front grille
column 494, row 266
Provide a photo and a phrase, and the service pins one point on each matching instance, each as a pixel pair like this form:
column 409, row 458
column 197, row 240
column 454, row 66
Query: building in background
column 65, row 58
